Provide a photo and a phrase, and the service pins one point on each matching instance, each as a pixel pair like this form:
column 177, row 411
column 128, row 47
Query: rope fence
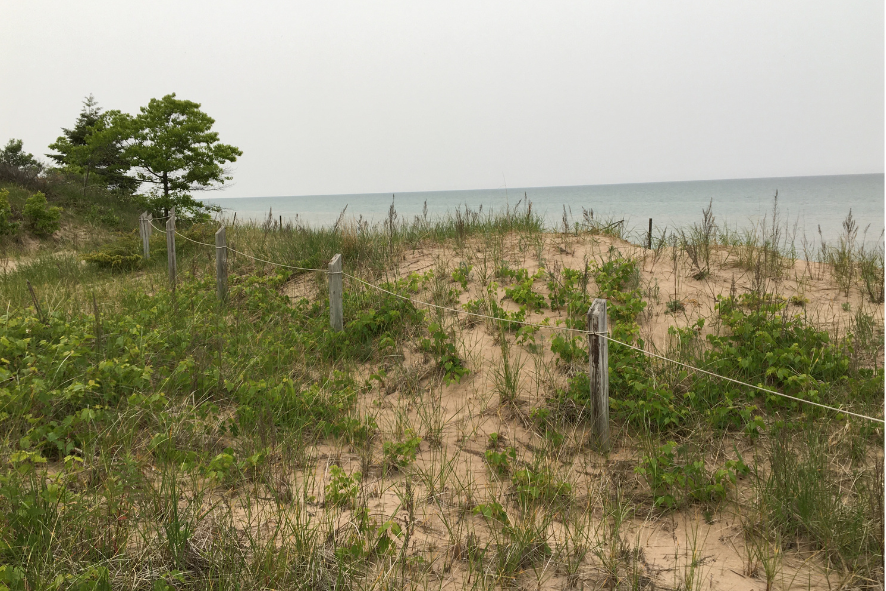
column 336, row 311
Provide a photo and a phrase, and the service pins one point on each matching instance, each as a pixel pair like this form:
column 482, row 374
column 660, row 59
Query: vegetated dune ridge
column 424, row 447
column 692, row 547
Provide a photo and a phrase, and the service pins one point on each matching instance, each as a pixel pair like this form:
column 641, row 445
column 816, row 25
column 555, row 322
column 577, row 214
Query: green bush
column 41, row 219
column 675, row 475
column 500, row 461
column 7, row 226
column 508, row 321
column 342, row 490
column 399, row 454
column 461, row 274
column 444, row 350
column 121, row 256
column 102, row 215
column 766, row 346
column 493, row 511
column 522, row 293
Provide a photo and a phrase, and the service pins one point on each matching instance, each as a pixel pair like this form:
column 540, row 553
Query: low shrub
column 521, row 292
column 119, row 256
column 8, row 226
column 489, row 306
column 342, row 489
column 675, row 476
column 399, row 454
column 442, row 347
column 40, row 218
column 500, row 461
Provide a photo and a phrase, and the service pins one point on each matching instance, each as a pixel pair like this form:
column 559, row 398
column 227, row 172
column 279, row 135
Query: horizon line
column 526, row 188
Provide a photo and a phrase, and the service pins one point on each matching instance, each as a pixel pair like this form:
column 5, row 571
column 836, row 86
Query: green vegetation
column 399, row 454
column 521, row 292
column 539, row 484
column 342, row 489
column 94, row 147
column 164, row 440
column 40, row 218
column 13, row 155
column 179, row 158
column 500, row 462
column 109, row 155
column 440, row 345
column 674, row 476
column 8, row 227
column 489, row 306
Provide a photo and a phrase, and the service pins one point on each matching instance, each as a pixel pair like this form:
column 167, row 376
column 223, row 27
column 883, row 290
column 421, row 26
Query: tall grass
column 767, row 249
column 804, row 499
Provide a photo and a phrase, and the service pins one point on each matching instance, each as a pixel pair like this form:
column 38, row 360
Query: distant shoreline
column 806, row 202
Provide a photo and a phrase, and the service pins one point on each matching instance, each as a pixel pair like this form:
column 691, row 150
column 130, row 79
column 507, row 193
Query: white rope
column 554, row 327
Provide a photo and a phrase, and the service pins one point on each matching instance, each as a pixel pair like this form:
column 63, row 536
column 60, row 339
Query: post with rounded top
column 221, row 264
column 598, row 347
column 336, row 319
column 170, row 249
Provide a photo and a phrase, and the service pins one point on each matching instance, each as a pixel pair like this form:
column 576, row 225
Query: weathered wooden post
column 170, row 248
column 144, row 225
column 221, row 264
column 598, row 347
column 335, row 292
column 649, row 240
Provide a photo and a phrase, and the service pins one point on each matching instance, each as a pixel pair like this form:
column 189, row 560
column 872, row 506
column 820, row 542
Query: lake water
column 807, row 203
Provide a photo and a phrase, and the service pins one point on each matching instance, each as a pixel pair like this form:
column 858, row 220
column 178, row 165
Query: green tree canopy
column 77, row 135
column 172, row 146
column 95, row 146
column 14, row 155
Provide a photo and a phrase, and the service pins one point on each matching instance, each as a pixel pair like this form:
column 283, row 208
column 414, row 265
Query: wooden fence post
column 144, row 225
column 598, row 347
column 335, row 292
column 170, row 249
column 221, row 264
column 649, row 241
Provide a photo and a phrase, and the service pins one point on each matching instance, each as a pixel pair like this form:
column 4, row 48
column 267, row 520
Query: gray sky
column 342, row 97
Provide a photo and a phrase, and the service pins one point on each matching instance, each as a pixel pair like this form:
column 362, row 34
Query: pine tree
column 94, row 148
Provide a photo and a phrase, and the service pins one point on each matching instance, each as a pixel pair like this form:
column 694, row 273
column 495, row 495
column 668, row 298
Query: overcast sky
column 345, row 97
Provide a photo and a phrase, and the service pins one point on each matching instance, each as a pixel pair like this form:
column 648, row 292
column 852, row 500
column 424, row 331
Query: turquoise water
column 804, row 202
